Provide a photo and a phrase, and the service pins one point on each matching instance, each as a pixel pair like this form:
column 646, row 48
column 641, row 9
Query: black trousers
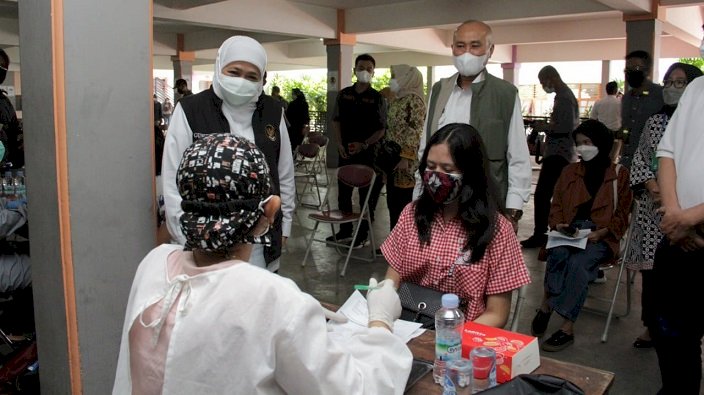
column 677, row 329
column 344, row 196
column 396, row 200
column 549, row 173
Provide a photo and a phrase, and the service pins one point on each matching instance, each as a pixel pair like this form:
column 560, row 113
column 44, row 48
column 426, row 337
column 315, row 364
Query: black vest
column 204, row 115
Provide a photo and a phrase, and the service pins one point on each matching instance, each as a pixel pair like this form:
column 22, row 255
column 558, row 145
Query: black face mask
column 635, row 78
column 3, row 74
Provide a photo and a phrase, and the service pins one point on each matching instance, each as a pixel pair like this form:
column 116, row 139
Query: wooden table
column 592, row 381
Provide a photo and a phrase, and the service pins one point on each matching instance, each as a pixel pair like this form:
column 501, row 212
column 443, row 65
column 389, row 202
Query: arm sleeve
column 594, row 113
column 400, row 237
column 287, row 184
column 415, row 112
column 508, row 269
column 11, row 220
column 518, row 157
column 619, row 220
column 308, row 361
column 563, row 115
column 640, row 166
column 557, row 214
column 178, row 138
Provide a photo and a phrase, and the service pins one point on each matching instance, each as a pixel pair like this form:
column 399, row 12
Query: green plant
column 698, row 62
column 315, row 89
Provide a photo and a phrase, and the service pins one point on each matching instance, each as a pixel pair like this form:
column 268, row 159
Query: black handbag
column 419, row 304
column 534, row 384
column 388, row 155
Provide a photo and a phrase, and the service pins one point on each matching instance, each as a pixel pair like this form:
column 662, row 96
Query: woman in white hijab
column 235, row 105
column 405, row 126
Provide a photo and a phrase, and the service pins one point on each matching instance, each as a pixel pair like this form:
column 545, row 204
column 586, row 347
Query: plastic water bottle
column 449, row 322
column 18, row 184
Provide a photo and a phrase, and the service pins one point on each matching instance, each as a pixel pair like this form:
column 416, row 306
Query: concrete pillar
column 340, row 61
column 510, row 70
column 429, row 80
column 86, row 84
column 644, row 34
column 605, row 71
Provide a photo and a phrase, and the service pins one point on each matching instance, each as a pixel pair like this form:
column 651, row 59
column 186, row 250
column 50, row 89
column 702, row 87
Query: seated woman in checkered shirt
column 455, row 238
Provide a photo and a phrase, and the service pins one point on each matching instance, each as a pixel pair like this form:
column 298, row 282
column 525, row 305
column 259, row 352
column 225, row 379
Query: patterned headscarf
column 410, row 80
column 224, row 182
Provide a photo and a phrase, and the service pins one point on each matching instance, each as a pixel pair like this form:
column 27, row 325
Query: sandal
column 558, row 341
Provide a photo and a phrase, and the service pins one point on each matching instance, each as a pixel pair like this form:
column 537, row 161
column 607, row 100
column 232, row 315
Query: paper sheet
column 356, row 311
column 557, row 239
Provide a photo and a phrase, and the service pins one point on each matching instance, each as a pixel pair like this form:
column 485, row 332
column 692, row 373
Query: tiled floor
column 636, row 369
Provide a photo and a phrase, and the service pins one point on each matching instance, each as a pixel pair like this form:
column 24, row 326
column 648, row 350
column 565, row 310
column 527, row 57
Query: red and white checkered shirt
column 442, row 265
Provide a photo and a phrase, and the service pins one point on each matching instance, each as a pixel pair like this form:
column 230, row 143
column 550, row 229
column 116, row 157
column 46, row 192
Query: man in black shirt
column 359, row 124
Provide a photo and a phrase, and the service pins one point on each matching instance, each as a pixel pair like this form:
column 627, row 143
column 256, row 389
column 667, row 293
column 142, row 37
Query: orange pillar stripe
column 59, row 92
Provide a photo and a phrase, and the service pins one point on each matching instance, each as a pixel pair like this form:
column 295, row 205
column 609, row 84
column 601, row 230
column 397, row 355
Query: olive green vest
column 493, row 100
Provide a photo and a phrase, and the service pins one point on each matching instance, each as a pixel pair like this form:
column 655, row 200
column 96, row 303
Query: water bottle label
column 448, row 351
column 448, row 386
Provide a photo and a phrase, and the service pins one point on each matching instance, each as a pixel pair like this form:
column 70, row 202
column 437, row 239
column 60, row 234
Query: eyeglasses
column 3, row 68
column 679, row 84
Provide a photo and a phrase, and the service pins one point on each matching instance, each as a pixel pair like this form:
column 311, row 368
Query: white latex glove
column 333, row 316
column 383, row 301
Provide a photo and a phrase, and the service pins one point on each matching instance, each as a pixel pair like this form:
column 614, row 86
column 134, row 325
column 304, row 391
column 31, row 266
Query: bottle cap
column 450, row 301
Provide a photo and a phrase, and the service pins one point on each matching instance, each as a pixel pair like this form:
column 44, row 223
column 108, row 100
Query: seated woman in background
column 203, row 320
column 454, row 238
column 583, row 199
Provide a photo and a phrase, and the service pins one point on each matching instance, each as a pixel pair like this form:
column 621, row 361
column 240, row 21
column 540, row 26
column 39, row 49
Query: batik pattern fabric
column 405, row 127
column 645, row 231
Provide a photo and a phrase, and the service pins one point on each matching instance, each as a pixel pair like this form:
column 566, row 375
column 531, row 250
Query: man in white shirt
column 491, row 106
column 607, row 110
column 678, row 270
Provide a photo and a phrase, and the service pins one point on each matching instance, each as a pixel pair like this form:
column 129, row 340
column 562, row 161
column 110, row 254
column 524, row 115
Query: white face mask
column 548, row 89
column 587, row 152
column 671, row 95
column 393, row 85
column 470, row 65
column 363, row 76
column 237, row 91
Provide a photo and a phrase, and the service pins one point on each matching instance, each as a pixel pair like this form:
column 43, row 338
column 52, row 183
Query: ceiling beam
column 271, row 16
column 431, row 13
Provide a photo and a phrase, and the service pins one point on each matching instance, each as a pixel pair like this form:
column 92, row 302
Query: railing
column 318, row 121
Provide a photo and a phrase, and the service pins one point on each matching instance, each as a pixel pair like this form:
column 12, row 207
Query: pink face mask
column 442, row 187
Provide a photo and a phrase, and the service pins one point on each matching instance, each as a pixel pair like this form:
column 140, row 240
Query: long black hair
column 478, row 207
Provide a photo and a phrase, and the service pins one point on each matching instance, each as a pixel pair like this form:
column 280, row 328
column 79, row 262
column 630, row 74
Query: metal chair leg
column 310, row 243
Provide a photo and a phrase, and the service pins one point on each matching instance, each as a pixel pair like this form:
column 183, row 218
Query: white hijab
column 245, row 49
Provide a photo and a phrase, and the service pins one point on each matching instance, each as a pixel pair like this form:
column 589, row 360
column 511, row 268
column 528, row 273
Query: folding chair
column 617, row 261
column 305, row 173
column 520, row 294
column 356, row 176
column 322, row 141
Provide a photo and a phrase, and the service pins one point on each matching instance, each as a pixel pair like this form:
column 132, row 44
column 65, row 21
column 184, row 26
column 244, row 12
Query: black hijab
column 603, row 139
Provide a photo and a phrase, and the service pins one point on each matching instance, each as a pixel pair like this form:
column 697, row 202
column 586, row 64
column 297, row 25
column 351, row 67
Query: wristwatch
column 515, row 214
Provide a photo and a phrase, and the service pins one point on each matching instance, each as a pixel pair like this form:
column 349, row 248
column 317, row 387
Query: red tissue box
column 516, row 353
